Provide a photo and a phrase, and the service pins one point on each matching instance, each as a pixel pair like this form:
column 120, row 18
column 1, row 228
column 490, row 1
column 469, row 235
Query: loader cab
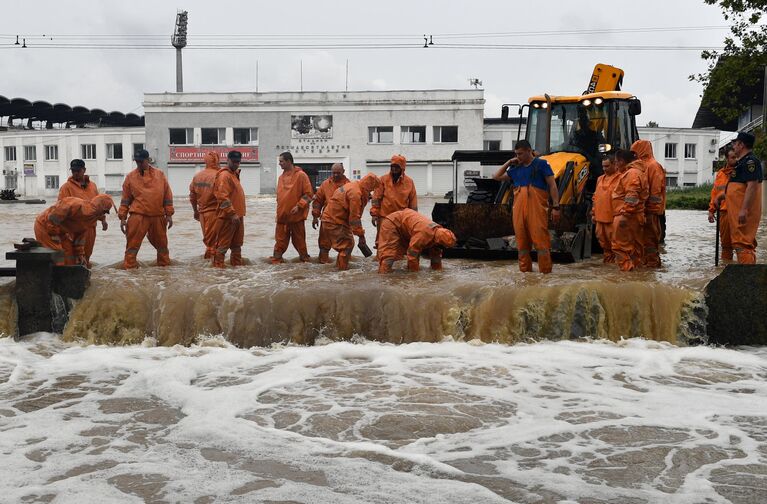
column 586, row 125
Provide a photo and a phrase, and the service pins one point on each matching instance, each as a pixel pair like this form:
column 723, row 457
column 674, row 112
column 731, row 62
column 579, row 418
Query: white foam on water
column 369, row 422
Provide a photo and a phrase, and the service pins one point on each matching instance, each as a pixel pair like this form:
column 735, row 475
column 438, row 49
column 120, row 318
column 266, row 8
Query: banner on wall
column 197, row 154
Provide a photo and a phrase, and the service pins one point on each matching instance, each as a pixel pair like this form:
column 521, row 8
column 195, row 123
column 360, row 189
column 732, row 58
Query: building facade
column 361, row 129
column 36, row 162
column 687, row 154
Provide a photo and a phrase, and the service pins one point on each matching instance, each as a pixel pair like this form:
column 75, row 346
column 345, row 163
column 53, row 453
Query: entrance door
column 317, row 172
column 30, row 185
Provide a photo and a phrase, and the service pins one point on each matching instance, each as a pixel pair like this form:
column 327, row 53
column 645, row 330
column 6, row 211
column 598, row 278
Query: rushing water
column 454, row 415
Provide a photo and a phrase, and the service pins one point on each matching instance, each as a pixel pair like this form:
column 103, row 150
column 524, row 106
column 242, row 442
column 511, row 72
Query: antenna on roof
column 475, row 82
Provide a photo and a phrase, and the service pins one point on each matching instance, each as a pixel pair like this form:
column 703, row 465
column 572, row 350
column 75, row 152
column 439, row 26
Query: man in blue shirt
column 534, row 183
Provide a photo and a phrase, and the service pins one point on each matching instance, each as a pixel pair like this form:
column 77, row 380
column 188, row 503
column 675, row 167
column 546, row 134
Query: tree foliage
column 739, row 66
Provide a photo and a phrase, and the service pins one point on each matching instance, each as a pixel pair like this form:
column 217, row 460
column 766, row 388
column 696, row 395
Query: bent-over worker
column 406, row 232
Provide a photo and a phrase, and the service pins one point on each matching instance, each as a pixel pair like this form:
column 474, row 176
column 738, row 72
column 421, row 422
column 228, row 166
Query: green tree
column 740, row 64
column 652, row 124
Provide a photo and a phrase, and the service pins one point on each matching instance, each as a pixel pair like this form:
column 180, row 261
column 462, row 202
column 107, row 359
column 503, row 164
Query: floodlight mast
column 179, row 42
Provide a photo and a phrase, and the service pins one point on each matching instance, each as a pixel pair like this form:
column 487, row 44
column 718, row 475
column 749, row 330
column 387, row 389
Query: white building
column 361, row 129
column 36, row 162
column 687, row 154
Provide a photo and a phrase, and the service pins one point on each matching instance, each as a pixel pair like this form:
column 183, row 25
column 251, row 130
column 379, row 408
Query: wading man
column 343, row 216
column 324, row 192
column 534, row 185
column 230, row 216
column 396, row 192
column 629, row 199
column 294, row 194
column 720, row 185
column 655, row 206
column 744, row 199
column 406, row 232
column 204, row 202
column 602, row 210
column 79, row 185
column 146, row 210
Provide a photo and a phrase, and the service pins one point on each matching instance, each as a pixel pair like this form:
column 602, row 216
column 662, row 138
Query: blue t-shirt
column 533, row 174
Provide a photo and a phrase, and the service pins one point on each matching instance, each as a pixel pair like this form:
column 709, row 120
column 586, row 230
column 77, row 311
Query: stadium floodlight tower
column 179, row 42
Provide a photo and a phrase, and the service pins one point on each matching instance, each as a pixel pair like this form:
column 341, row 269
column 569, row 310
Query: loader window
column 622, row 129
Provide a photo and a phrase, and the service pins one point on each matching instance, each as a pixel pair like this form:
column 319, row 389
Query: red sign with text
column 197, row 154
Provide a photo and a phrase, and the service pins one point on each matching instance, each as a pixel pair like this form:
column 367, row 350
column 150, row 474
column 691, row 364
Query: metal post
column 455, row 181
column 179, row 72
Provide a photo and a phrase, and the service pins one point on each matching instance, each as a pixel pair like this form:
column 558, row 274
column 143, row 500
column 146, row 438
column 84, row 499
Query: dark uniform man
column 743, row 198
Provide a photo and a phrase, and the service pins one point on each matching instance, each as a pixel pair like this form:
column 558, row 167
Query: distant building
column 361, row 129
column 36, row 162
column 687, row 154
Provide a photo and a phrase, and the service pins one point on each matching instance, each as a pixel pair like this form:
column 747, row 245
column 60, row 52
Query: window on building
column 445, row 134
column 88, row 151
column 115, row 151
column 245, row 136
column 51, row 152
column 213, row 136
column 10, row 182
column 413, row 134
column 10, row 154
column 30, row 153
column 689, row 151
column 491, row 145
column 137, row 147
column 670, row 151
column 51, row 181
column 671, row 182
column 689, row 184
column 381, row 134
column 181, row 136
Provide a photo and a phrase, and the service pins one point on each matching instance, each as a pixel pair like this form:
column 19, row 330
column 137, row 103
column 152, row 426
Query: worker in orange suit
column 655, row 205
column 343, row 216
column 321, row 197
column 396, row 192
column 743, row 199
column 629, row 198
column 65, row 225
column 720, row 186
column 294, row 195
column 79, row 185
column 148, row 199
column 204, row 203
column 406, row 232
column 602, row 209
column 230, row 216
column 534, row 184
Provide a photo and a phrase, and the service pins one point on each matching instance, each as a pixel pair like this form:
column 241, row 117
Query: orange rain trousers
column 650, row 237
column 605, row 232
column 720, row 186
column 743, row 235
column 531, row 227
column 325, row 243
column 208, row 226
column 229, row 236
column 342, row 241
column 154, row 228
column 284, row 234
column 725, row 237
column 626, row 245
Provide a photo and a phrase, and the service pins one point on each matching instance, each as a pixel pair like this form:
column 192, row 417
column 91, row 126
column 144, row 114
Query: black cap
column 77, row 164
column 234, row 155
column 747, row 138
column 141, row 155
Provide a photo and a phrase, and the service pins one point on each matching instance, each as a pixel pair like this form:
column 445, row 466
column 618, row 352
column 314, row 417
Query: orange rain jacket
column 324, row 192
column 631, row 190
column 86, row 190
column 392, row 196
column 293, row 188
column 656, row 177
column 603, row 208
column 63, row 226
column 229, row 194
column 720, row 185
column 347, row 203
column 201, row 188
column 148, row 195
column 408, row 232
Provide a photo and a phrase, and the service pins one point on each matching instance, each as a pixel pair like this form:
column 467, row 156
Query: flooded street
column 476, row 384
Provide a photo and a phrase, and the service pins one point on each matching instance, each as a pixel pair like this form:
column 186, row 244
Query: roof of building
column 60, row 113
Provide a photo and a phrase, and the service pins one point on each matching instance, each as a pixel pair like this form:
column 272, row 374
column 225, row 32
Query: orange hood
column 399, row 160
column 103, row 202
column 212, row 160
column 643, row 150
column 444, row 237
column 369, row 182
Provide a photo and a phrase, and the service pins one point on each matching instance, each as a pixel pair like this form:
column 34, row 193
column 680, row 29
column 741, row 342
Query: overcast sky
column 117, row 79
